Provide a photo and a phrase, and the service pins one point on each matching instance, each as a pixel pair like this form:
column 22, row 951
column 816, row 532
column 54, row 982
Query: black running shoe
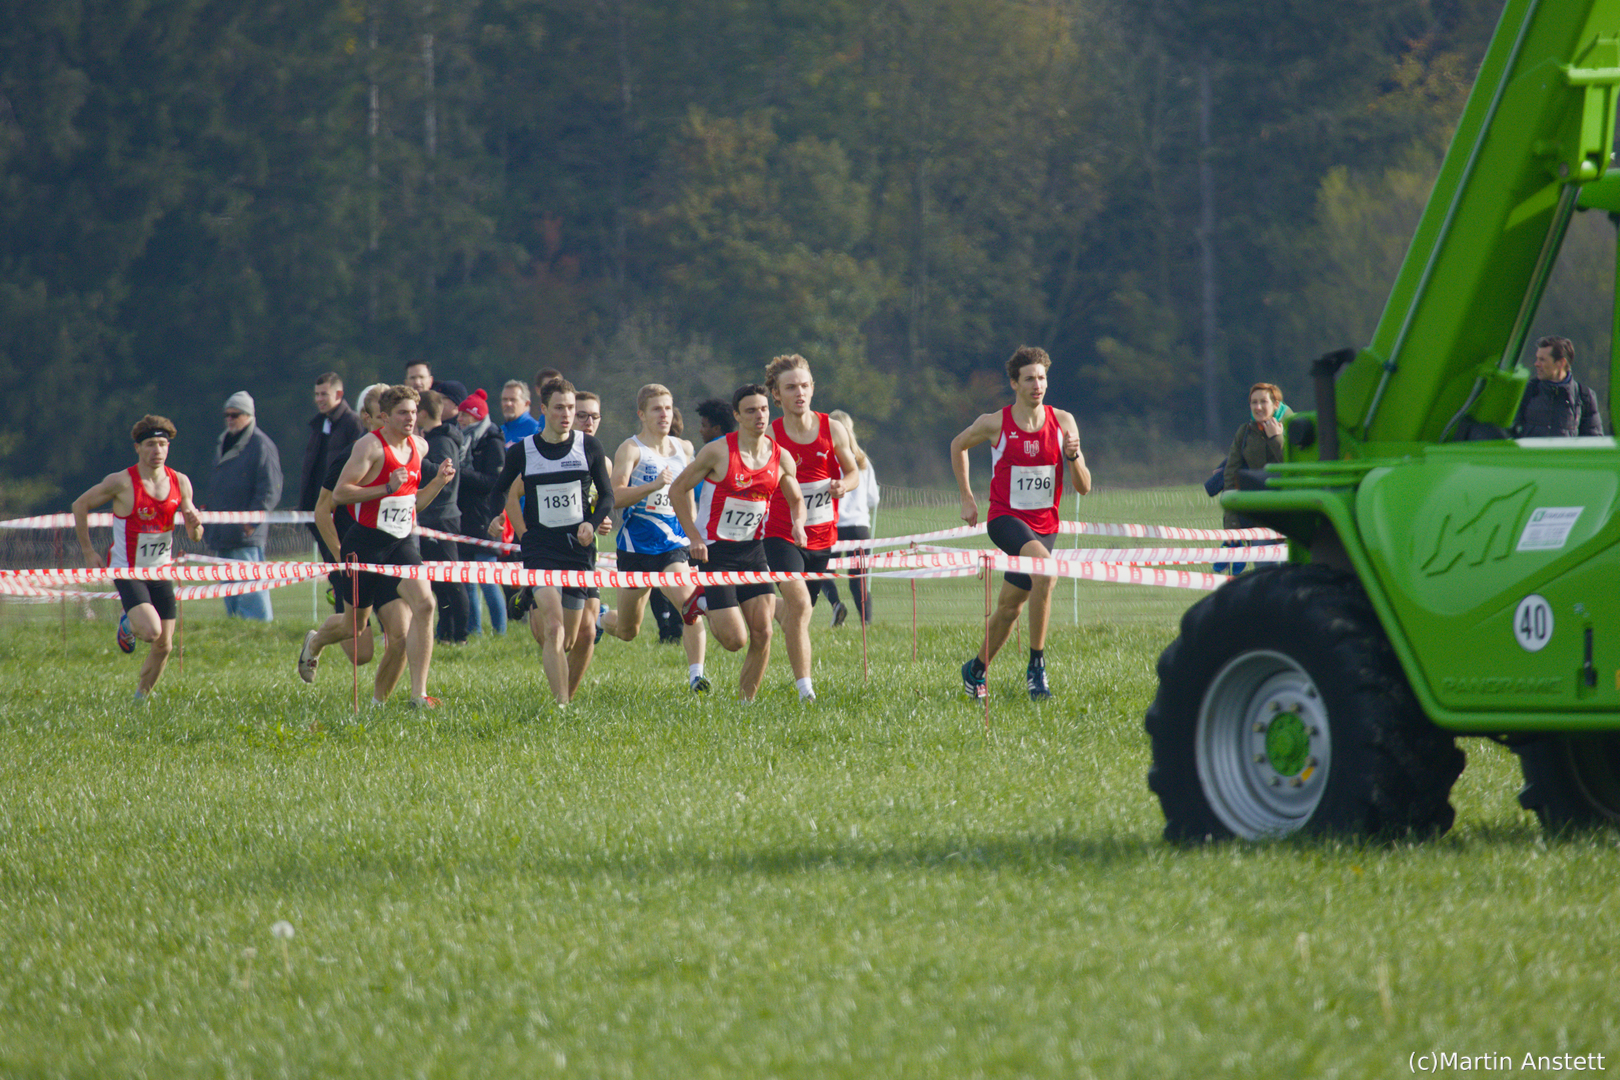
column 1035, row 677
column 973, row 685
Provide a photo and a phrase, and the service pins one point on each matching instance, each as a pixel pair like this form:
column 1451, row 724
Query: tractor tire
column 1572, row 781
column 1282, row 709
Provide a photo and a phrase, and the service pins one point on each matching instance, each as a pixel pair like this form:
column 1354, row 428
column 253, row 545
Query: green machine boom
column 1444, row 578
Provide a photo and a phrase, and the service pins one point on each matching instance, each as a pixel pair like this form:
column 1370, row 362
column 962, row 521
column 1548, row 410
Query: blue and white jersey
column 650, row 526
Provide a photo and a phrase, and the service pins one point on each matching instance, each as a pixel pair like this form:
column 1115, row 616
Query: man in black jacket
column 332, row 433
column 1554, row 403
column 443, row 514
column 483, row 453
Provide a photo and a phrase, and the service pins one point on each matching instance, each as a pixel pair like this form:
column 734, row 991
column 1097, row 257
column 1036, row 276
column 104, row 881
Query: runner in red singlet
column 145, row 497
column 744, row 470
column 1033, row 444
column 382, row 486
column 820, row 447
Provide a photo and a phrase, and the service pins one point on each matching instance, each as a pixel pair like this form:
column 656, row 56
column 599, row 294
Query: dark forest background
column 1175, row 198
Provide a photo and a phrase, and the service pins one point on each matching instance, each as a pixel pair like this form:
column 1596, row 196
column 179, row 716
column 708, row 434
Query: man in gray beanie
column 247, row 476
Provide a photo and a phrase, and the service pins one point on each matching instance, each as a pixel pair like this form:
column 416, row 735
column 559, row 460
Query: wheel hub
column 1263, row 745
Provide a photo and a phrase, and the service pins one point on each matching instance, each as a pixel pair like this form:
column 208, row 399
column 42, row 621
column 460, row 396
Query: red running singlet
column 733, row 509
column 393, row 514
column 1026, row 477
column 818, row 468
column 145, row 537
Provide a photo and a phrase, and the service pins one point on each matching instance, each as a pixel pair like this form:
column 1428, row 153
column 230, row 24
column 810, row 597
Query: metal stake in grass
column 247, row 974
column 284, row 930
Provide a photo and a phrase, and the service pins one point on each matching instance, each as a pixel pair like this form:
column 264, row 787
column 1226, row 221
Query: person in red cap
column 483, row 453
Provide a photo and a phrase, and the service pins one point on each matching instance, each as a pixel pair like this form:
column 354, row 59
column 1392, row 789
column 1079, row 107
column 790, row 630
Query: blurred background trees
column 1176, row 198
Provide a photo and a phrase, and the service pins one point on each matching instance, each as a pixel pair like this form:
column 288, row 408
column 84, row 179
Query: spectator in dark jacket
column 483, row 454
column 247, row 476
column 444, row 441
column 332, row 434
column 1258, row 443
column 1554, row 403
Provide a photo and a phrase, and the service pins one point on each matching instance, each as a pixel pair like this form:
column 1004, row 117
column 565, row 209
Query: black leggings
column 451, row 596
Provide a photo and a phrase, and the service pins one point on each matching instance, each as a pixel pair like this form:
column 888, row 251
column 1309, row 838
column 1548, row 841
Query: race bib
column 658, row 503
column 1030, row 487
column 558, row 506
column 152, row 549
column 396, row 514
column 819, row 505
column 740, row 519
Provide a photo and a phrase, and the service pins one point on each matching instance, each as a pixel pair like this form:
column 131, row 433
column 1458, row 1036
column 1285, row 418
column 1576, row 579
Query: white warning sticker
column 1548, row 528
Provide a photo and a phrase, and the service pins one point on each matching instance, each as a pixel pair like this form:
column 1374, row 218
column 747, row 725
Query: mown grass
column 651, row 885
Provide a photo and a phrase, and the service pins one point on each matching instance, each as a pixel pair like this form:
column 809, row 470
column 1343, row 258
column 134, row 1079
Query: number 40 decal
column 1533, row 623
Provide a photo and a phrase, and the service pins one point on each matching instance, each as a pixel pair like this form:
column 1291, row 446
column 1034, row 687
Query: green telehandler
column 1444, row 579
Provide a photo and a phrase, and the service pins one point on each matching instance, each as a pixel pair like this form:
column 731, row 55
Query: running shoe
column 1035, row 677
column 693, row 610
column 307, row 661
column 519, row 603
column 423, row 702
column 126, row 636
column 973, row 685
column 807, row 697
column 840, row 613
column 700, row 685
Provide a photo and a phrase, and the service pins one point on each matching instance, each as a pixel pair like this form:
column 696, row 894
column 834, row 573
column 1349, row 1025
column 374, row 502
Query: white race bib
column 740, row 519
column 658, row 503
column 152, row 549
column 396, row 514
column 1030, row 487
column 558, row 506
column 819, row 506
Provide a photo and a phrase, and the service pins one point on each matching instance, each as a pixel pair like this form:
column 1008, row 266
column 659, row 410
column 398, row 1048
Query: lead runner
column 1026, row 488
column 743, row 471
column 145, row 497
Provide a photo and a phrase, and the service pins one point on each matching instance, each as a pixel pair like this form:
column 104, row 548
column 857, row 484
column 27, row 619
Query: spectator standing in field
column 855, row 514
column 247, row 477
column 516, row 423
column 419, row 377
column 443, row 514
column 145, row 498
column 1555, row 404
column 482, row 455
column 1032, row 446
column 1257, row 444
column 332, row 432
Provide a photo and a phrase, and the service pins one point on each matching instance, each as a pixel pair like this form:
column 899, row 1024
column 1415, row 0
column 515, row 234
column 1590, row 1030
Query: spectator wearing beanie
column 247, row 476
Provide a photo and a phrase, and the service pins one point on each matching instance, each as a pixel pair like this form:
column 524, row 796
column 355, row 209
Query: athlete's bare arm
column 788, row 481
column 188, row 509
column 115, row 487
column 365, row 462
column 981, row 430
column 708, row 464
column 846, row 460
column 625, row 459
column 1079, row 475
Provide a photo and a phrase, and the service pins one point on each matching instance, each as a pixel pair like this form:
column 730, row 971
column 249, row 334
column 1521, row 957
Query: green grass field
column 652, row 885
column 656, row 886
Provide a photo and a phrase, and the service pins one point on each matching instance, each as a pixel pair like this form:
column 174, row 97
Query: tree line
column 1175, row 198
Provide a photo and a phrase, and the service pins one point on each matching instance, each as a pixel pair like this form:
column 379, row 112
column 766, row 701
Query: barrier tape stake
column 984, row 565
column 860, row 613
column 179, row 636
column 354, row 618
column 914, row 613
column 57, row 534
